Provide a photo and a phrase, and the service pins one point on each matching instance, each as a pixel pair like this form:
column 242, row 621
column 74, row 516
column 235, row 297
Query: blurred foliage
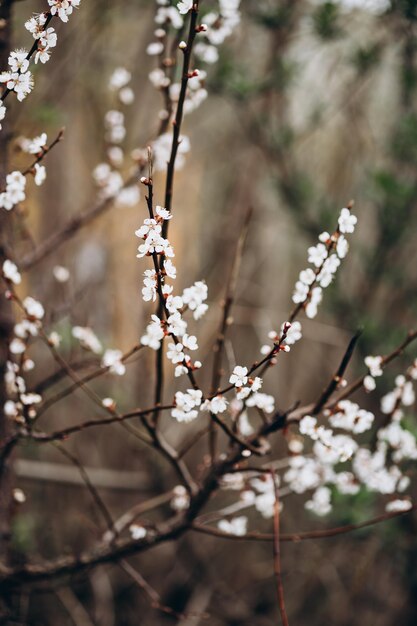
column 326, row 21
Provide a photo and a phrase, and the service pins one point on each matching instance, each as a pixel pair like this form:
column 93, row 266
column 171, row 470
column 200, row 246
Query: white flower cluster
column 236, row 526
column 402, row 394
column 349, row 416
column 192, row 298
column 112, row 359
column 218, row 27
column 63, row 8
column 14, row 192
column 180, row 498
column 186, row 405
column 87, row 338
column 374, row 364
column 325, row 258
column 377, row 470
column 290, row 334
column 18, row 78
column 119, row 83
column 11, row 272
column 46, row 37
column 21, row 403
column 107, row 175
column 371, row 469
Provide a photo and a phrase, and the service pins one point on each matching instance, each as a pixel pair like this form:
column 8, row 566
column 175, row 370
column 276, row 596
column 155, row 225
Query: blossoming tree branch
column 332, row 444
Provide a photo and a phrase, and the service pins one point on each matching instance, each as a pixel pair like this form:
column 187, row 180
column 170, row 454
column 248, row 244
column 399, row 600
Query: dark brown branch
column 169, row 187
column 338, row 376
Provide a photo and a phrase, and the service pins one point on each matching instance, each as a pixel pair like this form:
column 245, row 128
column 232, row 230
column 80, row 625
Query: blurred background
column 310, row 105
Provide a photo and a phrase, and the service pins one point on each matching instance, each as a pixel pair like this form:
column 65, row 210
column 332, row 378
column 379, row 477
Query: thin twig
column 277, row 553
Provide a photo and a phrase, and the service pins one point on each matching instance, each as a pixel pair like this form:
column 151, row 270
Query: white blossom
column 320, row 503
column 87, row 338
column 185, row 405
column 317, row 254
column 40, row 174
column 33, row 308
column 216, row 405
column 61, row 273
column 262, row 401
column 239, row 377
column 11, row 272
column 397, row 506
column 184, row 6
column 236, row 526
column 347, row 221
column 373, row 363
column 293, row 333
column 113, row 360
column 137, row 532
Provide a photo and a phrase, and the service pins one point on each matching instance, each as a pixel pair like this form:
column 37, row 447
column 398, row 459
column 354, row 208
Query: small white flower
column 175, row 353
column 256, row 384
column 54, row 339
column 317, row 254
column 154, row 334
column 112, row 360
column 87, row 339
column 239, row 376
column 120, row 78
column 293, row 333
column 190, row 342
column 218, row 404
column 262, row 401
column 184, row 6
column 236, row 526
column 37, row 144
column 180, row 370
column 30, row 398
column 307, row 276
column 308, row 426
column 315, row 299
column 61, row 273
column 369, row 383
column 180, row 500
column 155, row 48
column 108, row 403
column 396, row 506
column 126, row 95
column 342, row 247
column 170, row 269
column 33, row 308
column 11, row 272
column 347, row 221
column 137, row 532
column 300, row 292
column 17, row 346
column 40, row 174
column 320, row 502
column 373, row 363
column 18, row 61
column 164, row 214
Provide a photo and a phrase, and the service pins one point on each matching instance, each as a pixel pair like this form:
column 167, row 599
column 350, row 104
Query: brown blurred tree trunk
column 6, row 479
